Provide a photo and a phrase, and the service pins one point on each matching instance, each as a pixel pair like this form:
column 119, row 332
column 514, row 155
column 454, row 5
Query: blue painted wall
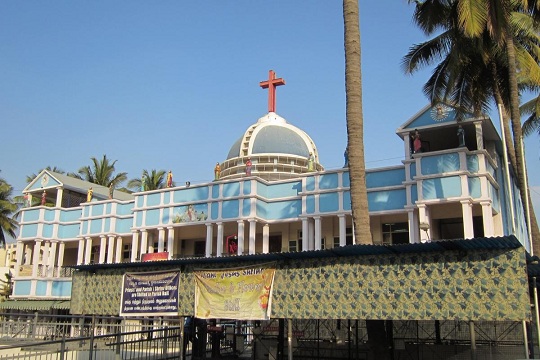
column 329, row 202
column 41, row 287
column 387, row 200
column 61, row 288
column 441, row 188
column 31, row 215
column 375, row 179
column 230, row 209
column 68, row 231
column 328, row 181
column 440, row 164
column 29, row 230
column 70, row 215
column 22, row 287
column 231, row 189
column 153, row 199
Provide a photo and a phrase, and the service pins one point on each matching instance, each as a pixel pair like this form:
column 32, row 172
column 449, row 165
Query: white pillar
column 407, row 144
column 425, row 223
column 161, row 240
column 311, row 236
column 317, row 232
column 60, row 261
column 144, row 242
column 219, row 240
column 487, row 219
column 45, row 259
column 102, row 248
column 240, row 235
column 252, row 231
column 52, row 258
column 305, row 237
column 35, row 257
column 414, row 230
column 468, row 230
column 80, row 252
column 479, row 135
column 119, row 250
column 170, row 242
column 88, row 251
column 209, row 239
column 110, row 249
column 19, row 255
column 135, row 246
column 342, row 230
column 59, row 194
column 266, row 239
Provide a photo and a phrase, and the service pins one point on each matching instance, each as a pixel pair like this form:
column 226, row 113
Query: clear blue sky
column 172, row 84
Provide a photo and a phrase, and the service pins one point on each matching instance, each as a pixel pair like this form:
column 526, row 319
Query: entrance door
column 274, row 243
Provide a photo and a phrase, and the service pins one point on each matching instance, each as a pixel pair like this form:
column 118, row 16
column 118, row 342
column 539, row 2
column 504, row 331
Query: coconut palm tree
column 101, row 172
column 355, row 123
column 355, row 146
column 474, row 66
column 153, row 180
column 8, row 211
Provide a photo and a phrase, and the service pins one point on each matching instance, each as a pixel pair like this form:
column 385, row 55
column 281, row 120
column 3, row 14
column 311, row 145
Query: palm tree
column 355, row 146
column 101, row 172
column 8, row 211
column 153, row 180
column 475, row 65
column 31, row 177
column 355, row 123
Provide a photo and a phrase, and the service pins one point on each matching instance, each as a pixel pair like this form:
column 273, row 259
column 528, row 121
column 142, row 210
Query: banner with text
column 150, row 294
column 240, row 293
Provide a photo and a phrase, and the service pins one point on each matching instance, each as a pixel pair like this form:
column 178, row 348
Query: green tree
column 476, row 64
column 101, row 172
column 6, row 288
column 8, row 212
column 153, row 180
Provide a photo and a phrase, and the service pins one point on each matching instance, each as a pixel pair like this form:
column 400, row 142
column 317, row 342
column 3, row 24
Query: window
column 127, row 252
column 395, row 233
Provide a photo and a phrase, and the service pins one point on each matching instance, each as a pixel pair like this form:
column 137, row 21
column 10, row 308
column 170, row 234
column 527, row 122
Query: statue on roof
column 217, row 171
column 89, row 195
column 311, row 162
column 169, row 179
column 461, row 136
column 43, row 198
column 248, row 167
column 111, row 191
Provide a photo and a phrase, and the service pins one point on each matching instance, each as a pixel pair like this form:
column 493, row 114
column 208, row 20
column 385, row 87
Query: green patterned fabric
column 477, row 285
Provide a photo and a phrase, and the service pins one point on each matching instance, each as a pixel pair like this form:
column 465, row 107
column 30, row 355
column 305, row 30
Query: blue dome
column 278, row 140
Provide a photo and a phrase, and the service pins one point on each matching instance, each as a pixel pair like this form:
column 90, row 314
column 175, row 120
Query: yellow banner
column 239, row 293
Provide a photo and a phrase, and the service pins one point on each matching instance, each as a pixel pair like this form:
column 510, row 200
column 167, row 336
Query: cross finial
column 271, row 84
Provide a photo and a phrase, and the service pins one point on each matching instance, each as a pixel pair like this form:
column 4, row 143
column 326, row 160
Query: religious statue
column 111, row 191
column 169, row 179
column 310, row 162
column 346, row 156
column 417, row 142
column 143, row 183
column 188, row 184
column 461, row 136
column 43, row 198
column 248, row 167
column 89, row 195
column 217, row 171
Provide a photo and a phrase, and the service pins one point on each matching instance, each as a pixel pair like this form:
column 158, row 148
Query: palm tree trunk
column 518, row 139
column 355, row 123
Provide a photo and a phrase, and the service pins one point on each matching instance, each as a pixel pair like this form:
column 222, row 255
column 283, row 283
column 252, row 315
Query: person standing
column 43, row 198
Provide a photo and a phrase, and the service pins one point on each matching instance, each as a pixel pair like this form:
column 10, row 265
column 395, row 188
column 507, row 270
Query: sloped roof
column 76, row 185
column 35, row 305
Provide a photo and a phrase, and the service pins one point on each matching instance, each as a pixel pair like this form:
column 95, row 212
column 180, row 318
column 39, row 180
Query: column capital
column 240, row 221
column 135, row 231
column 170, row 227
column 144, row 230
column 486, row 202
column 102, row 236
column 465, row 202
column 160, row 228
